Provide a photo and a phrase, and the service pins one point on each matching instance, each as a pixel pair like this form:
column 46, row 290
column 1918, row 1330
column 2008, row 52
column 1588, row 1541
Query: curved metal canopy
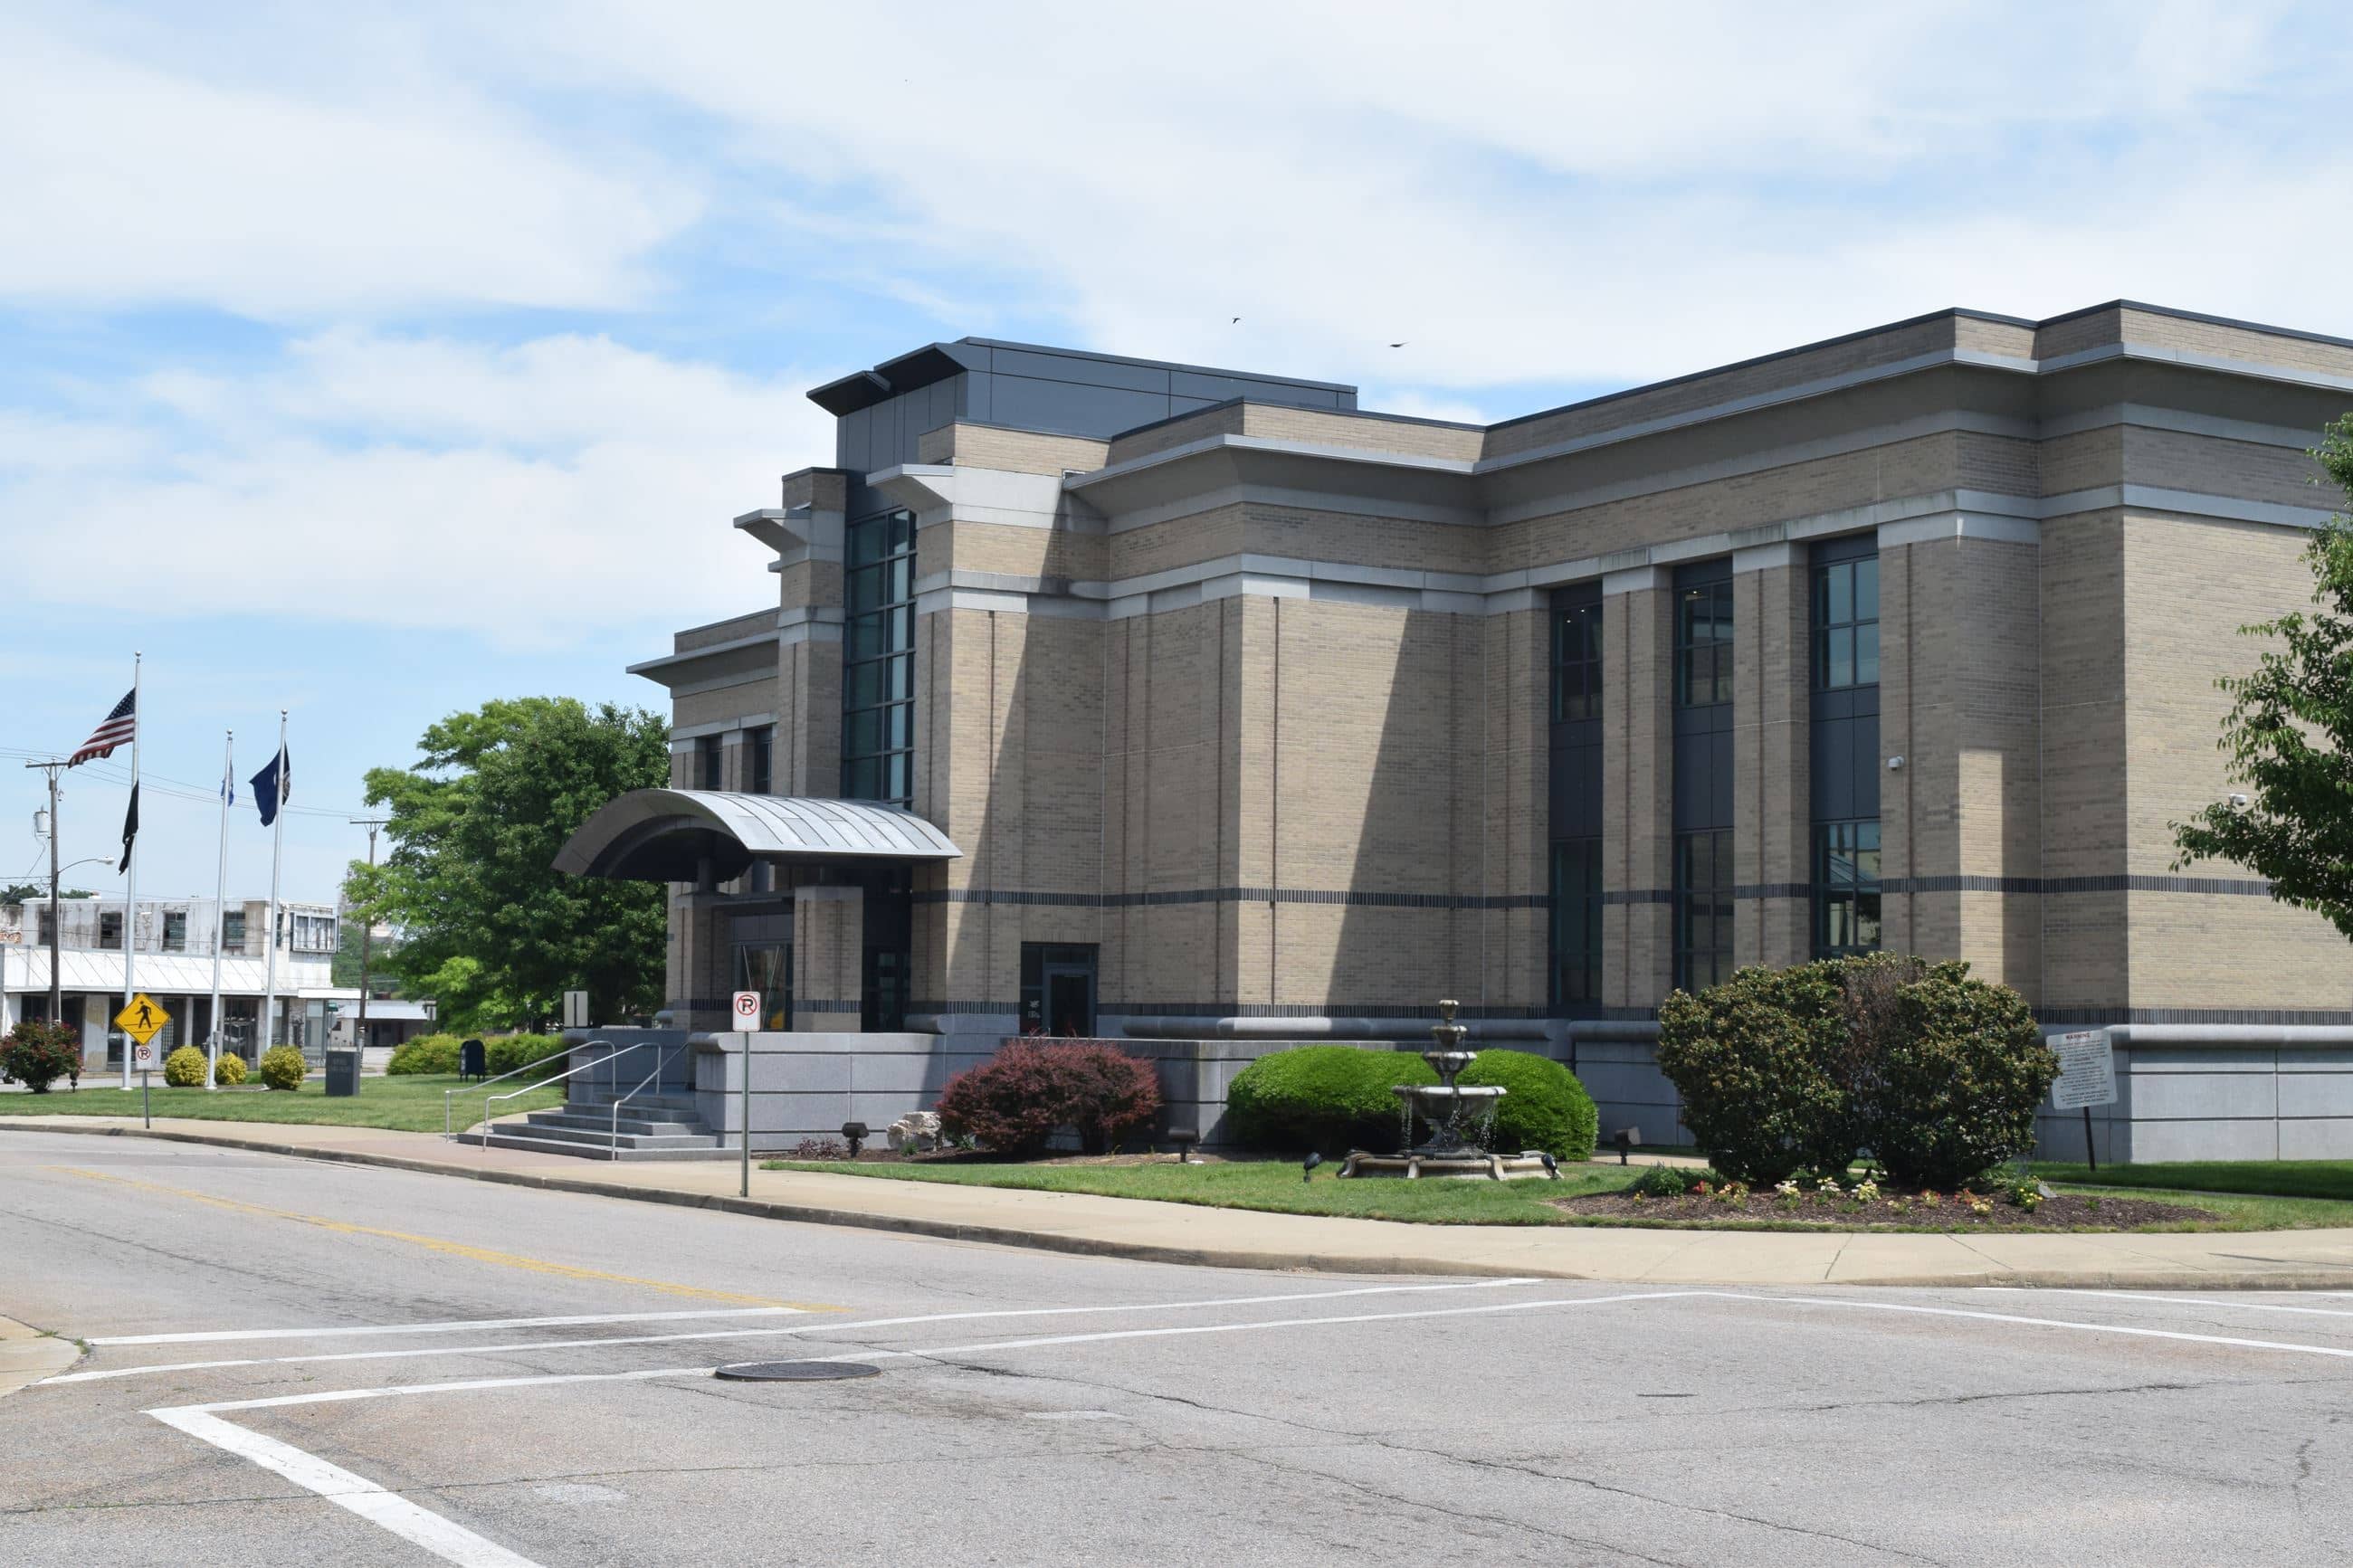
column 665, row 835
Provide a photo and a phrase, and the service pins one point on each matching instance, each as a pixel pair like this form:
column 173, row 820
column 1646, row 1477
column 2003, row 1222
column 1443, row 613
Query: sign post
column 745, row 1005
column 142, row 1018
column 2087, row 1077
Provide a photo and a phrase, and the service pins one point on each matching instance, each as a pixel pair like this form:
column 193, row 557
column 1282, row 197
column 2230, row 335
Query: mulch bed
column 2063, row 1211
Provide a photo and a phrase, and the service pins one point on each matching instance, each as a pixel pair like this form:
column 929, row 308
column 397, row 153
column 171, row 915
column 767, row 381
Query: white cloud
column 1525, row 193
column 530, row 494
column 123, row 182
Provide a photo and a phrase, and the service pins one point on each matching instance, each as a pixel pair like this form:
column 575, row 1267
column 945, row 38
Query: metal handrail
column 611, row 1051
column 613, row 1134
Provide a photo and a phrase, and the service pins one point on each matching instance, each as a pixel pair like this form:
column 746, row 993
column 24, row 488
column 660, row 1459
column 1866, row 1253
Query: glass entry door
column 1058, row 989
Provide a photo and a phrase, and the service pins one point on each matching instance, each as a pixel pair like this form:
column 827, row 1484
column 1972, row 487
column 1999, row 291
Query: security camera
column 2238, row 803
column 1896, row 765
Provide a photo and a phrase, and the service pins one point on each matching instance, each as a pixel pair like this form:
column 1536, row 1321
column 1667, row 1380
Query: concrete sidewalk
column 1183, row 1233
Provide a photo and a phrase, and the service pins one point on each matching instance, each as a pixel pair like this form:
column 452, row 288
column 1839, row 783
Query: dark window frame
column 707, row 764
column 232, row 932
column 1703, row 908
column 760, row 760
column 175, row 930
column 1846, row 883
column 877, row 659
column 1575, row 921
column 110, row 930
column 1845, row 619
column 1702, row 673
column 1037, row 957
column 1576, row 663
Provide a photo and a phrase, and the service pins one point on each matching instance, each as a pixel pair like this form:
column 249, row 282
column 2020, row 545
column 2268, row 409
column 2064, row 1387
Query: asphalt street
column 303, row 1363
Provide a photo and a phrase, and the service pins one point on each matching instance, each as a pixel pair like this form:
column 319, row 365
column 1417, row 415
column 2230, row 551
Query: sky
column 371, row 363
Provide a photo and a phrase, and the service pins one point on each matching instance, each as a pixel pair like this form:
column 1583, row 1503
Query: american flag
column 117, row 726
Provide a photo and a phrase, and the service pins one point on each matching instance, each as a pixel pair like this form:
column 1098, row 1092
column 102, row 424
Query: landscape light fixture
column 1184, row 1138
column 1624, row 1140
column 1551, row 1165
column 856, row 1132
column 1307, row 1166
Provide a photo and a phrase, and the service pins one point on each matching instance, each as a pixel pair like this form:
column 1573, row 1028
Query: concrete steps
column 649, row 1127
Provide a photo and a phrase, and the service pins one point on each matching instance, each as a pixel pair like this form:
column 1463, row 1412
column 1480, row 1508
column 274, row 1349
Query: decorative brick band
column 1237, row 895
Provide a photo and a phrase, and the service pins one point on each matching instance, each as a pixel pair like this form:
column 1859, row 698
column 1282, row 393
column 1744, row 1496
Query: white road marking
column 456, row 1544
column 2188, row 1301
column 460, row 1326
column 2290, row 1346
column 823, row 1326
column 450, row 1541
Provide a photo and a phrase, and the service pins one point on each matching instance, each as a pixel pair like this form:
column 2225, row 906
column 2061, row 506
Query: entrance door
column 1070, row 999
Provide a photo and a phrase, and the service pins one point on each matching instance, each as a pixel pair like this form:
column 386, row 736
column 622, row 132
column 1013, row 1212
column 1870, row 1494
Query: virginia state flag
column 273, row 786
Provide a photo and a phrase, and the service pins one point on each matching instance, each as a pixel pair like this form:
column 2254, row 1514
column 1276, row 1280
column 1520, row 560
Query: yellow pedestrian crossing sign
column 143, row 1019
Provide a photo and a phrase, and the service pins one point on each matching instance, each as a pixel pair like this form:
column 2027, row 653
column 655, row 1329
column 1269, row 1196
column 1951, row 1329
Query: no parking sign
column 747, row 1009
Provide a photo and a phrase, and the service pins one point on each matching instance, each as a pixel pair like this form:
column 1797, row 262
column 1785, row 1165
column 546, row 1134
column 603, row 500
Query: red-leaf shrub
column 1015, row 1103
column 36, row 1054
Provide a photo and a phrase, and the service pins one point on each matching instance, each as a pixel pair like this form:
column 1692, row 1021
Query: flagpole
column 131, row 890
column 277, row 845
column 220, row 911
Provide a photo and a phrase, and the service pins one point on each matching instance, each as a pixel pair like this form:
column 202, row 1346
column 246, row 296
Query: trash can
column 472, row 1062
column 343, row 1069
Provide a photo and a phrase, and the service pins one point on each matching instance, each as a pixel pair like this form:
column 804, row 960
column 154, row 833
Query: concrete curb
column 2306, row 1278
column 28, row 1355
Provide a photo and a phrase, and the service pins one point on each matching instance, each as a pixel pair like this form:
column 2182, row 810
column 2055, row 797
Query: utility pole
column 56, row 977
column 367, row 937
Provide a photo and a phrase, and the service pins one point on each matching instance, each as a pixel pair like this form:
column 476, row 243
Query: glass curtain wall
column 1843, row 746
column 1575, row 803
column 877, row 659
column 1702, row 891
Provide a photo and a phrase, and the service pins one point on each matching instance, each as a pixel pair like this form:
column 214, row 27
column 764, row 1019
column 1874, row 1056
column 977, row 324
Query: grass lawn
column 411, row 1104
column 2277, row 1178
column 1274, row 1185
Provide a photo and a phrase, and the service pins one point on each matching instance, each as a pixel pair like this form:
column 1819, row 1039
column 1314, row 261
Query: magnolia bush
column 1937, row 1074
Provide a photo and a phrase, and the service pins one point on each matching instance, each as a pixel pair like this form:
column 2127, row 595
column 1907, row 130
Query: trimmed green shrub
column 1957, row 1086
column 282, row 1067
column 1801, row 1069
column 508, row 1052
column 1544, row 1105
column 1330, row 1098
column 425, row 1054
column 185, row 1068
column 230, row 1071
column 1016, row 1101
column 38, row 1053
column 1759, row 1061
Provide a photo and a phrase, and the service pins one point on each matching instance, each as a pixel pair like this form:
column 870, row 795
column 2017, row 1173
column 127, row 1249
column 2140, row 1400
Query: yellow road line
column 452, row 1248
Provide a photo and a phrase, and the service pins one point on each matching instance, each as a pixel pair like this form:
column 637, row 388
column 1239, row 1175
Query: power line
column 115, row 773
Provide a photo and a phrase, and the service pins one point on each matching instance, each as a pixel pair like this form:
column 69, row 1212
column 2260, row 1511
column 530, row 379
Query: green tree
column 380, row 969
column 489, row 926
column 37, row 893
column 2289, row 734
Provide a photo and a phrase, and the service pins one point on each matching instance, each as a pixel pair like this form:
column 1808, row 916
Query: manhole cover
column 796, row 1371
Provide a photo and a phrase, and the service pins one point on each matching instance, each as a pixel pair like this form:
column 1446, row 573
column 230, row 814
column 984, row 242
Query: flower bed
column 1867, row 1206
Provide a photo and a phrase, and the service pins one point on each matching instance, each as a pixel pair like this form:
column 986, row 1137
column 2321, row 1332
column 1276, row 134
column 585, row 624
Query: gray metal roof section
column 665, row 835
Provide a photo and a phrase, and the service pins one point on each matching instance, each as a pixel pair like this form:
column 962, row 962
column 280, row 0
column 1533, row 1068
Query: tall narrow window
column 1846, row 887
column 109, row 930
column 1577, row 920
column 760, row 746
column 1846, row 624
column 233, row 931
column 877, row 659
column 1843, row 746
column 1576, row 663
column 175, row 930
column 706, row 761
column 1703, row 909
column 1703, row 644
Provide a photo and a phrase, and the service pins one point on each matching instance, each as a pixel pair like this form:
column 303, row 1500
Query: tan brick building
column 1250, row 711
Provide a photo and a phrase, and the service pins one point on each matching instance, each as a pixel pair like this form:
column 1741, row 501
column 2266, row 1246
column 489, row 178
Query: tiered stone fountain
column 1460, row 1119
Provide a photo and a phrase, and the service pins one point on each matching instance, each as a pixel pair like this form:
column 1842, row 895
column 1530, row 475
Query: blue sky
column 373, row 366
